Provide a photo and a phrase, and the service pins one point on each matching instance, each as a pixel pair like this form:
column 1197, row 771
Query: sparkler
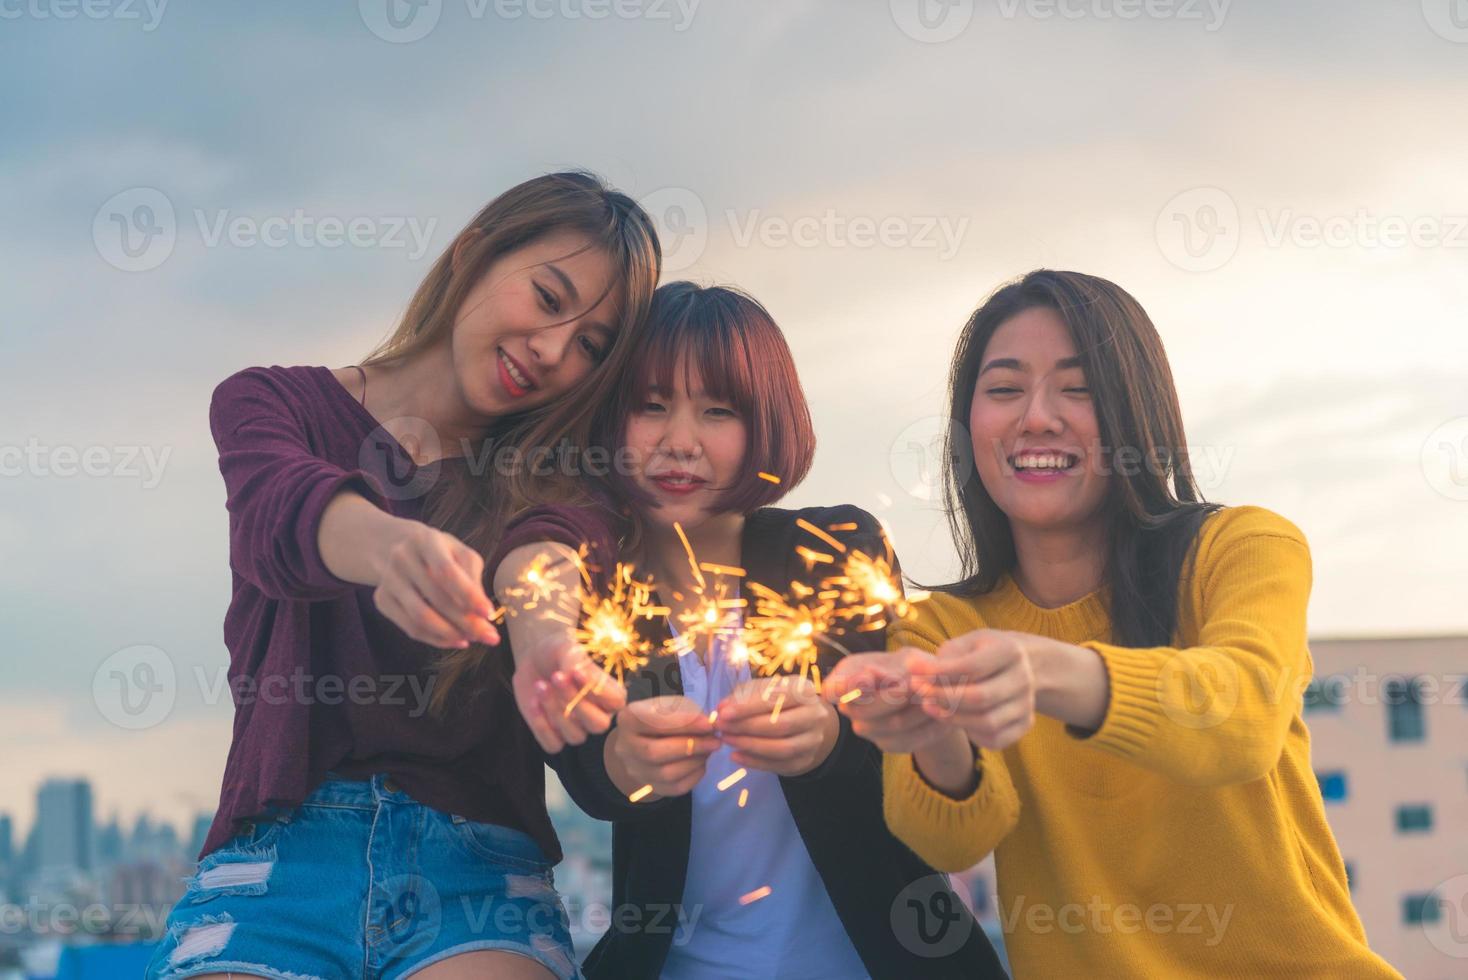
column 781, row 633
column 608, row 628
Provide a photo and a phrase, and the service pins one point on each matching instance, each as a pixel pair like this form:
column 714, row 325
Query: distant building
column 7, row 842
column 202, row 823
column 63, row 829
column 1388, row 722
column 110, row 843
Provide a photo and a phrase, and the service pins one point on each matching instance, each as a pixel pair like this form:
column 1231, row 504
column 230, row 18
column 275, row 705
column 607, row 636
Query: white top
column 791, row 933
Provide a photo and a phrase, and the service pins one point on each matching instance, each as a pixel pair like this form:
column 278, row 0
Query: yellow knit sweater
column 1184, row 838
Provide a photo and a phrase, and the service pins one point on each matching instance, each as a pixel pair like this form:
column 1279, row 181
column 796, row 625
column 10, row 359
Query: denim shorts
column 361, row 880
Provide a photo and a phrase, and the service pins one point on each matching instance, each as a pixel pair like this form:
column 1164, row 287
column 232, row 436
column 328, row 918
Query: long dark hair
column 1152, row 507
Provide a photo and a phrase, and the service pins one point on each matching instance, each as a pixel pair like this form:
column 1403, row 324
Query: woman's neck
column 716, row 541
column 1057, row 566
column 425, row 387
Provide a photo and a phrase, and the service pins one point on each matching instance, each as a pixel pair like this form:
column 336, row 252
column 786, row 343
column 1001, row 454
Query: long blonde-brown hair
column 475, row 504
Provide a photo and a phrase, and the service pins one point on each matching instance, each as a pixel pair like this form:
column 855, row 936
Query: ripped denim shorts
column 361, row 880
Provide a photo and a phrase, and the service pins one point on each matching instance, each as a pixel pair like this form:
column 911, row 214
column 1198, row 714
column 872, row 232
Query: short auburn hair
column 742, row 358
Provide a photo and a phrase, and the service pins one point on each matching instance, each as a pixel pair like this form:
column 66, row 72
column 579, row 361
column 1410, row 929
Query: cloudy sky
column 1280, row 185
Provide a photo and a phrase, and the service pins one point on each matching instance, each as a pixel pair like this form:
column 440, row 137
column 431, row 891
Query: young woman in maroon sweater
column 358, row 833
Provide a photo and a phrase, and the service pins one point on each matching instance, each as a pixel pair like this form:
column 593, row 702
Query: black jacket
column 901, row 916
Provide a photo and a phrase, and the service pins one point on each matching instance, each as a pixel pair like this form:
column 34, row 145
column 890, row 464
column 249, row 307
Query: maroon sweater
column 321, row 680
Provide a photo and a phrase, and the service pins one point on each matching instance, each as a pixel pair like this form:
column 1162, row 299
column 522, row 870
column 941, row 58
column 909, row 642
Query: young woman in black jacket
column 787, row 870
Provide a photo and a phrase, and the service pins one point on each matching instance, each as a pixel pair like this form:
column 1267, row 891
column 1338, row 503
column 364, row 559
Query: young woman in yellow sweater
column 1110, row 697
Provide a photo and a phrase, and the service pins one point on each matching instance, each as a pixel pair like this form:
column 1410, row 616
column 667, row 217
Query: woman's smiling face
column 687, row 449
column 532, row 328
column 1033, row 425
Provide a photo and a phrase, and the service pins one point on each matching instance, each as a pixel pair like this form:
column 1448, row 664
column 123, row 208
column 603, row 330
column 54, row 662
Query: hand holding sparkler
column 878, row 692
column 779, row 724
column 983, row 683
column 560, row 689
column 660, row 747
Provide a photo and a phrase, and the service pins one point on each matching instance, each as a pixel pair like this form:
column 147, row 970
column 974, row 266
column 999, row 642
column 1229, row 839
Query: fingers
column 973, row 697
column 603, row 691
column 772, row 753
column 1001, row 727
column 440, row 577
column 412, row 614
column 663, row 751
column 528, row 700
column 666, row 716
column 470, row 577
column 864, row 672
column 969, row 658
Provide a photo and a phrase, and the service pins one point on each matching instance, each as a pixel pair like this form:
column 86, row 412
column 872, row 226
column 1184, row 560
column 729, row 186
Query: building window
column 1325, row 693
column 1414, row 818
column 1404, row 710
column 1332, row 785
column 1421, row 909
